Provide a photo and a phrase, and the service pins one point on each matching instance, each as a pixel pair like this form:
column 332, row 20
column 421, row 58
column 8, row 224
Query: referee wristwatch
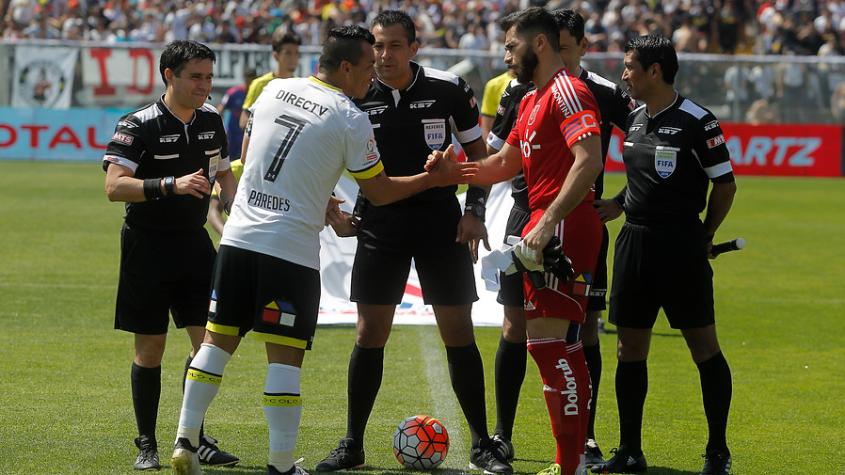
column 476, row 210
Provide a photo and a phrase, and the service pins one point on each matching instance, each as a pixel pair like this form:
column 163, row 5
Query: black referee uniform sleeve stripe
column 710, row 148
column 126, row 147
column 465, row 113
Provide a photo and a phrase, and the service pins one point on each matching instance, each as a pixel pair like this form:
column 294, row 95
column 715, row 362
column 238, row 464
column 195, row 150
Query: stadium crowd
column 803, row 27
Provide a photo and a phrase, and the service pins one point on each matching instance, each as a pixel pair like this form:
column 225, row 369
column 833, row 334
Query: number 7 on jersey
column 294, row 127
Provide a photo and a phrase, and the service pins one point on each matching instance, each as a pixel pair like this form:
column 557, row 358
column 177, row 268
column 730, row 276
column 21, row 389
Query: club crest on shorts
column 665, row 161
column 435, row 133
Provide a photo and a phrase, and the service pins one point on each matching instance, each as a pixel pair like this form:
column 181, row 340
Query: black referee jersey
column 153, row 143
column 614, row 107
column 409, row 124
column 669, row 159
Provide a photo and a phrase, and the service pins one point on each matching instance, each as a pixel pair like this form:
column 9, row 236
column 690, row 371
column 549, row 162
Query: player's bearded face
column 526, row 64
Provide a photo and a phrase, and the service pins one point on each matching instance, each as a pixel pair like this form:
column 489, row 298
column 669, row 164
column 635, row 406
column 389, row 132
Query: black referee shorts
column 598, row 291
column 276, row 298
column 163, row 273
column 390, row 236
column 661, row 267
column 510, row 286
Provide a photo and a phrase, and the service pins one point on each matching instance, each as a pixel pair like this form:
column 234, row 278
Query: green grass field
column 65, row 404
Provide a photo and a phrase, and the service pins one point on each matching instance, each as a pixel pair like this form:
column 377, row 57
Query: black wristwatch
column 476, row 210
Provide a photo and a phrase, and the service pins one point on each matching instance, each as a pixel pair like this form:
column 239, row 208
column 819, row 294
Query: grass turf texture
column 65, row 403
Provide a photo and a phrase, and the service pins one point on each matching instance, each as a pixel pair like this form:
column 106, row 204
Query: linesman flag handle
column 723, row 247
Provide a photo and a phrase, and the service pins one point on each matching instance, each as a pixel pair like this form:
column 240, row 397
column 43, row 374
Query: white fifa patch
column 212, row 307
column 435, row 133
column 665, row 162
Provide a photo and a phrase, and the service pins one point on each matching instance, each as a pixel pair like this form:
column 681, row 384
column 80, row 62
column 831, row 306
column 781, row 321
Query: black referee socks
column 593, row 356
column 467, row 374
column 146, row 390
column 631, row 389
column 716, row 390
column 364, row 380
column 510, row 372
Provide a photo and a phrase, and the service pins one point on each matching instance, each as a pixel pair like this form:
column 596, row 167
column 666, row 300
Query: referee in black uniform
column 674, row 149
column 614, row 106
column 162, row 161
column 415, row 110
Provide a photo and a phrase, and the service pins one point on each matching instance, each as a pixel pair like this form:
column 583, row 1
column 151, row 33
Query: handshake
column 516, row 257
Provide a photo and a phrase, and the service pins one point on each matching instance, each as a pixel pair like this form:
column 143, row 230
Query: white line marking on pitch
column 444, row 402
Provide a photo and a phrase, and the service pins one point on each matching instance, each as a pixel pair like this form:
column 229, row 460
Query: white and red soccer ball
column 421, row 443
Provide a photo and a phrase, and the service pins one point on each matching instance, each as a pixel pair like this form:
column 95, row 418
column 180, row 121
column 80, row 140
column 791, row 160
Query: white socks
column 283, row 410
column 201, row 385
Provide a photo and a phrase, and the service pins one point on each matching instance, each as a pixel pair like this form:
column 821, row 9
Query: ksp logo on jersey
column 422, row 104
column 168, row 138
column 664, row 162
column 435, row 133
column 205, row 135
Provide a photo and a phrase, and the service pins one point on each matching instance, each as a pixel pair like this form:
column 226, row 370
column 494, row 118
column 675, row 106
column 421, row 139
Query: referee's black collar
column 416, row 70
column 678, row 99
column 166, row 110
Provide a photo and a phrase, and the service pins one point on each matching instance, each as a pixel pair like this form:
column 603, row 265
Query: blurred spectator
column 837, row 104
column 761, row 112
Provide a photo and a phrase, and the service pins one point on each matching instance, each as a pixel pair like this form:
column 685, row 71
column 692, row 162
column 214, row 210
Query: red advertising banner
column 770, row 150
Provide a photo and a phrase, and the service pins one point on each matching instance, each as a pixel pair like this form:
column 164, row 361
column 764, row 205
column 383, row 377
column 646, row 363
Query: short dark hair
column 653, row 49
column 396, row 17
column 344, row 44
column 533, row 21
column 571, row 21
column 179, row 53
column 283, row 37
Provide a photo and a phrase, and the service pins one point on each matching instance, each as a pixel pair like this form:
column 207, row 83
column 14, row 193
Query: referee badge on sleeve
column 213, row 164
column 665, row 159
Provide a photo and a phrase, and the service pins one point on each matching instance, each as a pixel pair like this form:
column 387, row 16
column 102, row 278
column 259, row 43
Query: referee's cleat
column 147, row 455
column 484, row 457
column 717, row 463
column 185, row 460
column 211, row 455
column 503, row 448
column 592, row 453
column 622, row 462
column 348, row 454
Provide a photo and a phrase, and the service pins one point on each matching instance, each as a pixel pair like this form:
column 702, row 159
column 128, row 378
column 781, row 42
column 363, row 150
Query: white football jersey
column 304, row 133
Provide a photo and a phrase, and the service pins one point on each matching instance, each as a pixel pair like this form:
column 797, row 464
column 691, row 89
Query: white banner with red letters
column 338, row 254
column 43, row 77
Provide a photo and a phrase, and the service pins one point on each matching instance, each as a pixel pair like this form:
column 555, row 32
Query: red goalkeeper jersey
column 551, row 119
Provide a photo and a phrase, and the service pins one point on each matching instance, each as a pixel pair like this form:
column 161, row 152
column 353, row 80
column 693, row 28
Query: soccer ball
column 420, row 442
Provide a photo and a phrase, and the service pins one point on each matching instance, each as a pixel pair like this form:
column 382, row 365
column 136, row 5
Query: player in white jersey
column 303, row 134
